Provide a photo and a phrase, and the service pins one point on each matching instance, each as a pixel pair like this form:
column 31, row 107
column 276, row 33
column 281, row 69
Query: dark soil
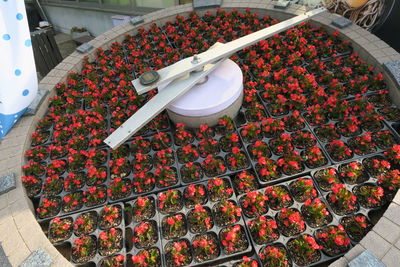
column 353, row 145
column 323, row 184
column 34, row 189
column 314, row 222
column 124, row 171
column 294, row 127
column 54, row 237
column 336, row 157
column 277, row 204
column 104, row 224
column 354, row 179
column 85, row 230
column 299, row 194
column 143, row 188
column 364, row 200
column 242, row 165
column 120, row 195
column 199, row 254
column 220, row 218
column 301, row 259
column 248, row 211
column 266, row 152
column 169, row 258
column 54, row 212
column 192, row 178
column 115, row 247
column 226, row 144
column 369, row 165
column 241, row 245
column 340, row 210
column 171, row 233
column 326, row 139
column 390, row 113
column 151, row 251
column 148, row 241
column 330, row 249
column 68, row 208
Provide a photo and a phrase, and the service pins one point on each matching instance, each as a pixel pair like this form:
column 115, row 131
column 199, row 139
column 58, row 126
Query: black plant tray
column 97, row 259
column 274, row 157
column 130, row 225
column 222, row 154
column 215, row 229
column 308, row 229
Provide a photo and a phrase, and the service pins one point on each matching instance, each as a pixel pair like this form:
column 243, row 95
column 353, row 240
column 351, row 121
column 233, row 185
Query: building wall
column 64, row 18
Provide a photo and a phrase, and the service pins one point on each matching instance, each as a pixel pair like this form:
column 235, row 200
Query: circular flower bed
column 311, row 153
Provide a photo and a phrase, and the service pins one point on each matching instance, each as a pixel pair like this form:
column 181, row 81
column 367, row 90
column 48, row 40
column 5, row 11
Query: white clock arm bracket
column 185, row 74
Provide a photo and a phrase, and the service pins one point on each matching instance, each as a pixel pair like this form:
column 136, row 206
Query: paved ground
column 65, row 44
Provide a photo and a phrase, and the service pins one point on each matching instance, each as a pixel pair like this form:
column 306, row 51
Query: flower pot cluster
column 308, row 102
column 96, row 236
column 201, row 223
column 277, row 153
column 209, row 151
column 290, row 223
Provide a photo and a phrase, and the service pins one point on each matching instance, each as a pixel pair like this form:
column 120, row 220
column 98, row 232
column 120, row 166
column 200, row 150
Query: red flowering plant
column 110, row 216
column 350, row 126
column 174, row 226
column 208, row 146
column 205, row 247
column 95, row 195
column 393, row 154
column 226, row 212
column 76, row 160
column 60, row 229
column 305, row 250
column 110, row 241
column 96, row 175
column 56, row 152
column 326, row 178
column 160, row 141
column 114, row 261
column 290, row 222
column 333, row 239
column 182, row 136
column 219, row 188
column 178, row 253
column 383, row 139
column 356, row 226
column 83, row 249
column 120, row 152
column 370, row 196
column 72, row 201
column 278, row 197
column 39, row 138
column 145, row 234
column 233, row 239
column 282, row 144
column 170, row 201
column 291, row 163
column 316, row 213
column 254, row 204
column 204, row 132
column 353, row 172
column 251, row 132
column 37, row 153
column 339, row 151
column 146, row 258
column 200, row 219
column 259, row 149
column 165, row 157
column 86, row 223
column 165, row 176
column 263, row 230
column 191, row 172
column 195, row 195
column 187, row 153
column 363, row 144
column 376, row 166
column 303, row 189
column 327, row 133
column 225, row 125
column 140, row 145
column 74, row 181
column 213, row 166
column 275, row 255
column 316, row 115
column 341, row 200
column 293, row 122
column 229, row 141
column 119, row 168
column 314, row 157
column 56, row 167
column 237, row 159
column 142, row 162
column 143, row 208
column 371, row 121
column 119, row 188
column 390, row 180
column 255, row 112
column 143, row 182
column 303, row 139
column 244, row 182
column 32, row 184
column 267, row 169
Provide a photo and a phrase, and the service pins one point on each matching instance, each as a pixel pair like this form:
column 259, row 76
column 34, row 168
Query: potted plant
column 85, row 223
column 316, row 213
column 205, row 247
column 83, row 249
column 233, row 239
column 60, row 229
column 263, row 230
column 278, row 197
column 195, row 194
column 145, row 234
column 267, row 169
column 110, row 216
column 218, row 189
column 370, row 196
column 200, row 219
column 191, row 172
column 244, row 182
column 254, row 204
column 237, row 159
column 303, row 189
column 147, row 257
column 178, row 253
column 290, row 222
column 356, row 226
column 170, row 201
column 326, row 178
column 226, row 212
column 341, row 200
column 304, row 250
column 333, row 239
column 275, row 255
column 110, row 241
column 174, row 226
column 143, row 182
column 143, row 208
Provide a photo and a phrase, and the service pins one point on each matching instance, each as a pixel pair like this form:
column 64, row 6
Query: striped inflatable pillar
column 18, row 80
